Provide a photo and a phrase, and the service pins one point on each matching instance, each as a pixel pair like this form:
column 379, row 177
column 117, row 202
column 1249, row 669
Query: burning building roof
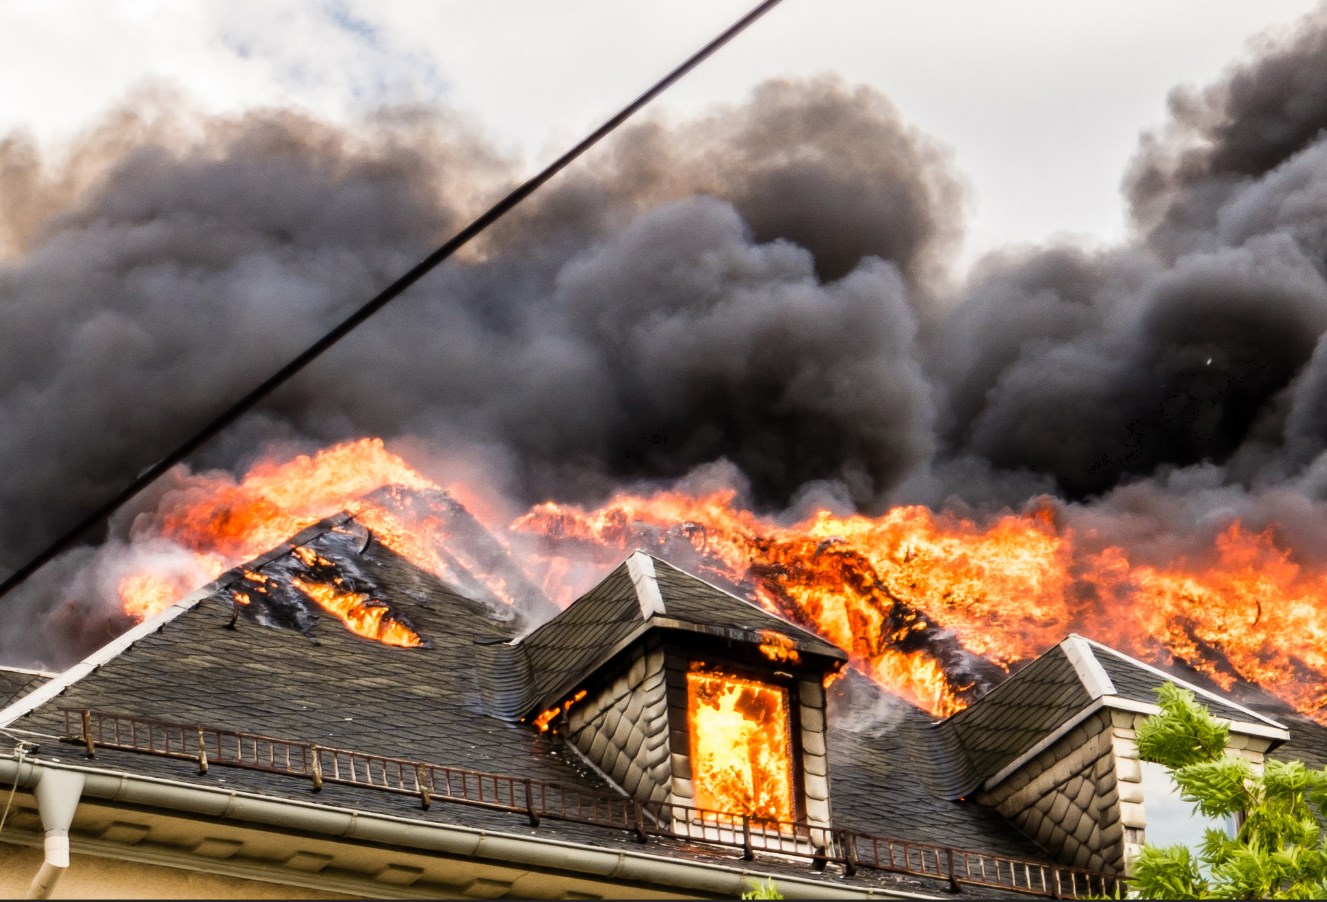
column 271, row 674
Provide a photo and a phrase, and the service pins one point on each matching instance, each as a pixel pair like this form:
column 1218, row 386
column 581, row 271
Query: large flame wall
column 914, row 595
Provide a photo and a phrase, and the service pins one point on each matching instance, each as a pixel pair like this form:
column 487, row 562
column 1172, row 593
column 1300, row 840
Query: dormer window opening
column 741, row 736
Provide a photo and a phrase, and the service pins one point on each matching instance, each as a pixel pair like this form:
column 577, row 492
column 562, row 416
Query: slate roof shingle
column 16, row 682
column 455, row 702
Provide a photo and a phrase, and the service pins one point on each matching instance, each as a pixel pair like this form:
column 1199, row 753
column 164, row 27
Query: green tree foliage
column 1279, row 850
column 763, row 891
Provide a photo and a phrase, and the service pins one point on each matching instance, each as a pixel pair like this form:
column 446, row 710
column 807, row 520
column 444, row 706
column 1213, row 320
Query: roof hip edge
column 640, row 567
column 1090, row 672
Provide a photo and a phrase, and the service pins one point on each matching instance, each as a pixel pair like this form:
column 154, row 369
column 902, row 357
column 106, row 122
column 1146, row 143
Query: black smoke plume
column 764, row 286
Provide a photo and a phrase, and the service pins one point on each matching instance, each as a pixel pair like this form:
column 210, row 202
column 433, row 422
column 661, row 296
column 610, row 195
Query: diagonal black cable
column 457, row 241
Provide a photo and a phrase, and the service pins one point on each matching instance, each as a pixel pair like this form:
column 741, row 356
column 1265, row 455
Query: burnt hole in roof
column 323, row 577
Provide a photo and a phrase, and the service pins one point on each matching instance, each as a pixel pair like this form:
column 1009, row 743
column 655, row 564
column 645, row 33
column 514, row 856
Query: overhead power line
column 421, row 269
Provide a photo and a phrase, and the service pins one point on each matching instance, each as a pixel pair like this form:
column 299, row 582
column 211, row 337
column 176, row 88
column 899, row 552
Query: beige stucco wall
column 94, row 877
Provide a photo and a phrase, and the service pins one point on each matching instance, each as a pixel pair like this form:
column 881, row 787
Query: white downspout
column 57, row 792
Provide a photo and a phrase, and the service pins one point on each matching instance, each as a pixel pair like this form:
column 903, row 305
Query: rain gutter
column 524, row 852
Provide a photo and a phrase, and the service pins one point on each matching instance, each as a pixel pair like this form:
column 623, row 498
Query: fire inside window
column 741, row 744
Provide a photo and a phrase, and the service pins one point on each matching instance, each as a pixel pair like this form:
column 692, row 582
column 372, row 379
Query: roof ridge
column 1196, row 689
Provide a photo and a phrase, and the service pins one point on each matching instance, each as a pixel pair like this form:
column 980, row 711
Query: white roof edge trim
column 1196, row 690
column 1236, row 726
column 1118, row 704
column 1090, row 672
column 108, row 652
column 28, row 671
column 640, row 566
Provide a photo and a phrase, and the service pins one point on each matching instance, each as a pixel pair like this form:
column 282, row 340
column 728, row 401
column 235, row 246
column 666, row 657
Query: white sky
column 1040, row 101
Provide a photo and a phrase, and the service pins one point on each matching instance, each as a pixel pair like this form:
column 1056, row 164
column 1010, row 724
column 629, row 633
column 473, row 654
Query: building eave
column 519, row 855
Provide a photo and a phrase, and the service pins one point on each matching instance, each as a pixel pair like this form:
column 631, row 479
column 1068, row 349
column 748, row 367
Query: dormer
column 704, row 708
column 1052, row 749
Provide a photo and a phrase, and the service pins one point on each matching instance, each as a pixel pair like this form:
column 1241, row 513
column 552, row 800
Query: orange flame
column 545, row 719
column 887, row 589
column 741, row 759
column 778, row 647
column 913, row 595
column 358, row 612
column 225, row 523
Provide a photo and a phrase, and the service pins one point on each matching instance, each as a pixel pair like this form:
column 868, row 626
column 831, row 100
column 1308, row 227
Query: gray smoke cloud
column 623, row 326
column 1196, row 343
column 762, row 288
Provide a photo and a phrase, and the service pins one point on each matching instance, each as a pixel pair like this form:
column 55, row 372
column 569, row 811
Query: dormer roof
column 645, row 593
column 1054, row 693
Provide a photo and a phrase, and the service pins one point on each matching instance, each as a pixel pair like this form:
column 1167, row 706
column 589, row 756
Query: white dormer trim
column 1090, row 672
column 1117, row 703
column 640, row 567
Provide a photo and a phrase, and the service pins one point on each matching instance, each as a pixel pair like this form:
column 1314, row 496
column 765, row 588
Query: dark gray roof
column 567, row 648
column 328, row 686
column 891, row 765
column 696, row 603
column 1308, row 738
column 1017, row 714
column 281, row 668
column 575, row 643
column 1050, row 691
column 16, row 683
column 308, row 678
column 1138, row 682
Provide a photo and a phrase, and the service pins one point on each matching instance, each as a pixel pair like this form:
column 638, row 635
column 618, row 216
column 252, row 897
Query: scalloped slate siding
column 622, row 728
column 1067, row 798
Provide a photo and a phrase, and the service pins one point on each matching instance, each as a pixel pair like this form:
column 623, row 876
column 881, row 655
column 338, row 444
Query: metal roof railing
column 820, row 844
